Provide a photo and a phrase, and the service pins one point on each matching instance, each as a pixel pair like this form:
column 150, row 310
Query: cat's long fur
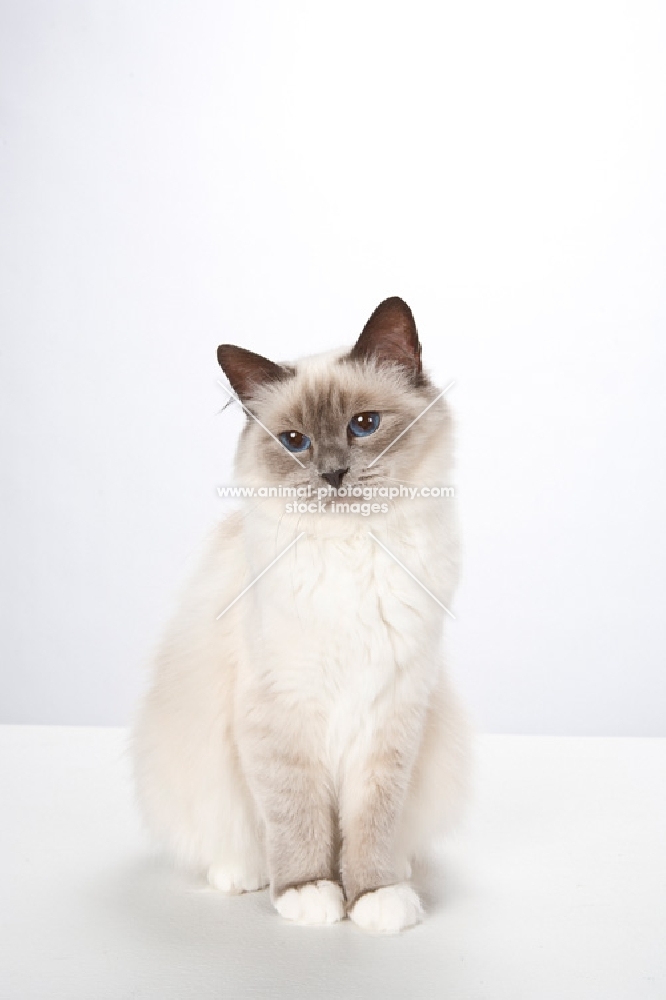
column 309, row 738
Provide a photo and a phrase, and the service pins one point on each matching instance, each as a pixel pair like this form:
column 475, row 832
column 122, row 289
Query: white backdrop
column 175, row 175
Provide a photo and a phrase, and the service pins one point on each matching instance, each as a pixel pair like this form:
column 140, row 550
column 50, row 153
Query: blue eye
column 294, row 440
column 362, row 424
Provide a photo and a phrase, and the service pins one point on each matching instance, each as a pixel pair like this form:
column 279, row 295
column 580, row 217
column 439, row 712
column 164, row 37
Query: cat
column 300, row 731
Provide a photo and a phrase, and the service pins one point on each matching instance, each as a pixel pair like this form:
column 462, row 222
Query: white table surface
column 554, row 890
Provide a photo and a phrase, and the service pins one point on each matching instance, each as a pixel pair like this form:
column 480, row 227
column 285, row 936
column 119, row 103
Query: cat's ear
column 390, row 336
column 246, row 370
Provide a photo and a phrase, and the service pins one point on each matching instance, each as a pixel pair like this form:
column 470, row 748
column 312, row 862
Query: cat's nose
column 334, row 478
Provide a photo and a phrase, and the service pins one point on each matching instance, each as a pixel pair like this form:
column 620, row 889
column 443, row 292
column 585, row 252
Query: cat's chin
column 333, row 525
column 321, row 522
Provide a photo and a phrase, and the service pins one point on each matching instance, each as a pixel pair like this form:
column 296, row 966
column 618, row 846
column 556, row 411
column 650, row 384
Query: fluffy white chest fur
column 300, row 730
column 339, row 626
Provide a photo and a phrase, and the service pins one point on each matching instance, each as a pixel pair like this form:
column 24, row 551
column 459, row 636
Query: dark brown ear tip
column 390, row 336
column 394, row 310
column 223, row 353
column 395, row 300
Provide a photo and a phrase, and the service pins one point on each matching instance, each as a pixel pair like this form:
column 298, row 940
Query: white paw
column 314, row 903
column 235, row 880
column 388, row 910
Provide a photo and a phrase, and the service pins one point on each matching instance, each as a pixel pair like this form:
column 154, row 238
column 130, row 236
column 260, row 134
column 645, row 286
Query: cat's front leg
column 287, row 780
column 371, row 803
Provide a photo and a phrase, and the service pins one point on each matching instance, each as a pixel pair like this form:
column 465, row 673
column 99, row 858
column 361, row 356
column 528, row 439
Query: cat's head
column 350, row 418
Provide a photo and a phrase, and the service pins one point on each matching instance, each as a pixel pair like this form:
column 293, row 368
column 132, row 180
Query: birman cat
column 300, row 731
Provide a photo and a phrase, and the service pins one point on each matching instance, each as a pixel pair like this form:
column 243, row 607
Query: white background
column 177, row 175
